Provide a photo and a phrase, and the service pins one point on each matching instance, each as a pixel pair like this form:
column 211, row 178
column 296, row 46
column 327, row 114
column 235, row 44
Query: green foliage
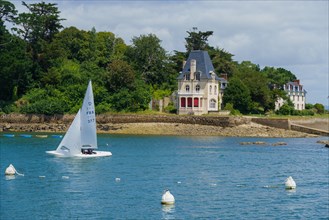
column 257, row 84
column 238, row 94
column 160, row 94
column 148, row 58
column 170, row 108
column 119, row 75
column 197, row 40
column 45, row 69
column 44, row 101
column 287, row 109
column 7, row 11
column 223, row 61
column 278, row 76
column 229, row 107
column 319, row 108
column 309, row 106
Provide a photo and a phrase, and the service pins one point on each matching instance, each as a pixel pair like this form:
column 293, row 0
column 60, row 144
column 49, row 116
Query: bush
column 171, row 108
column 229, row 107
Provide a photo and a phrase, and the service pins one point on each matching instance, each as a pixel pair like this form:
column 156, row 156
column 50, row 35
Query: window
column 189, row 102
column 183, row 102
column 198, row 76
column 210, row 89
column 215, row 90
column 212, row 103
column 187, row 76
column 197, row 88
column 187, row 88
column 196, row 102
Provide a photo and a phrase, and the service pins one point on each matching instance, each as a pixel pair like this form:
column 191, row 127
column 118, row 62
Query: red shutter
column 189, row 102
column 183, row 102
column 196, row 102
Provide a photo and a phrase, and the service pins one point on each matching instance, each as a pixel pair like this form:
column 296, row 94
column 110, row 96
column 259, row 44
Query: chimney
column 297, row 81
column 184, row 62
column 192, row 68
column 223, row 75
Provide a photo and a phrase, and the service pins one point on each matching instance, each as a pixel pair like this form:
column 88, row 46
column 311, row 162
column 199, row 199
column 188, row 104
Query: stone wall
column 202, row 120
column 309, row 130
column 273, row 122
column 126, row 118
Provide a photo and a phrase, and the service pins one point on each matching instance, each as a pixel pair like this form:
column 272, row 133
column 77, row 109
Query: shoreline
column 185, row 125
column 249, row 129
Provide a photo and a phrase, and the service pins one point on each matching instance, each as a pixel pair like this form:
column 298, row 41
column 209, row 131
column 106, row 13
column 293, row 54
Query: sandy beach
column 244, row 130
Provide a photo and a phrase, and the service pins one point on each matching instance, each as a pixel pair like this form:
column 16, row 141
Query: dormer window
column 187, row 76
column 198, row 76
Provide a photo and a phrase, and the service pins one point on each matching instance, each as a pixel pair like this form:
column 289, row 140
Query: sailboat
column 80, row 139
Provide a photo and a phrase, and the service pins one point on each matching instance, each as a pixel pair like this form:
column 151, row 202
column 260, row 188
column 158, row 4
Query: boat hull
column 96, row 154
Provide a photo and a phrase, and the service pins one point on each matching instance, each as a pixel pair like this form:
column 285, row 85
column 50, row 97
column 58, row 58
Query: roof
column 203, row 64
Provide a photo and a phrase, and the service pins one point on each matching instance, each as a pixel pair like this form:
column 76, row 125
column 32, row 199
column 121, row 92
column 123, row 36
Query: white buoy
column 117, row 179
column 167, row 198
column 290, row 183
column 10, row 170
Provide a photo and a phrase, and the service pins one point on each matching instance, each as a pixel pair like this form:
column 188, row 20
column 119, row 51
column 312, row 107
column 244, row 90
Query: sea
column 210, row 178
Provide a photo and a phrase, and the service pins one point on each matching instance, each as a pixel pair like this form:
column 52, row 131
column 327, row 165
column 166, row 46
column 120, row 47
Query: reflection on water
column 10, row 177
column 168, row 211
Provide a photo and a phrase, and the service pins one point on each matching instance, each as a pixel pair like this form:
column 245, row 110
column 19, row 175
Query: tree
column 119, row 75
column 222, row 61
column 7, row 11
column 38, row 27
column 197, row 40
column 237, row 93
column 278, row 76
column 15, row 66
column 148, row 58
column 257, row 84
column 42, row 22
column 319, row 108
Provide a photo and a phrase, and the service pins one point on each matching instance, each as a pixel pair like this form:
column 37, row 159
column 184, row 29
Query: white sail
column 88, row 121
column 81, row 134
column 71, row 143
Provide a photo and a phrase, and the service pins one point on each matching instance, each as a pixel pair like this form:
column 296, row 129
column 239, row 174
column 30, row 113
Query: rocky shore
column 151, row 125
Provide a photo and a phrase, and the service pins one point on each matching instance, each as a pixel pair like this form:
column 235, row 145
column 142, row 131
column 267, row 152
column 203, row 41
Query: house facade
column 296, row 94
column 200, row 90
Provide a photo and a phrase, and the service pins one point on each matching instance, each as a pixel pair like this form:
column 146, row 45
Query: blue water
column 210, row 177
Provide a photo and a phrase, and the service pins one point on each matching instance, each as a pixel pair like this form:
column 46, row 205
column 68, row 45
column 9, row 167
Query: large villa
column 201, row 90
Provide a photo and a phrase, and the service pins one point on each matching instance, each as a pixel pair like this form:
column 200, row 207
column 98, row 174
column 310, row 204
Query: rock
column 279, row 143
column 245, row 143
column 259, row 143
column 323, row 142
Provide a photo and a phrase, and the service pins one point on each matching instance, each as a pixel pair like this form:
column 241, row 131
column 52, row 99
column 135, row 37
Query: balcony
column 189, row 93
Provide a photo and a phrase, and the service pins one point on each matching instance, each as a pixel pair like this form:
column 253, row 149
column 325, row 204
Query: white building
column 296, row 93
column 200, row 90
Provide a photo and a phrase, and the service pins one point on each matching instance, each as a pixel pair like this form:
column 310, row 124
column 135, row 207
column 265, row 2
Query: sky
column 288, row 34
